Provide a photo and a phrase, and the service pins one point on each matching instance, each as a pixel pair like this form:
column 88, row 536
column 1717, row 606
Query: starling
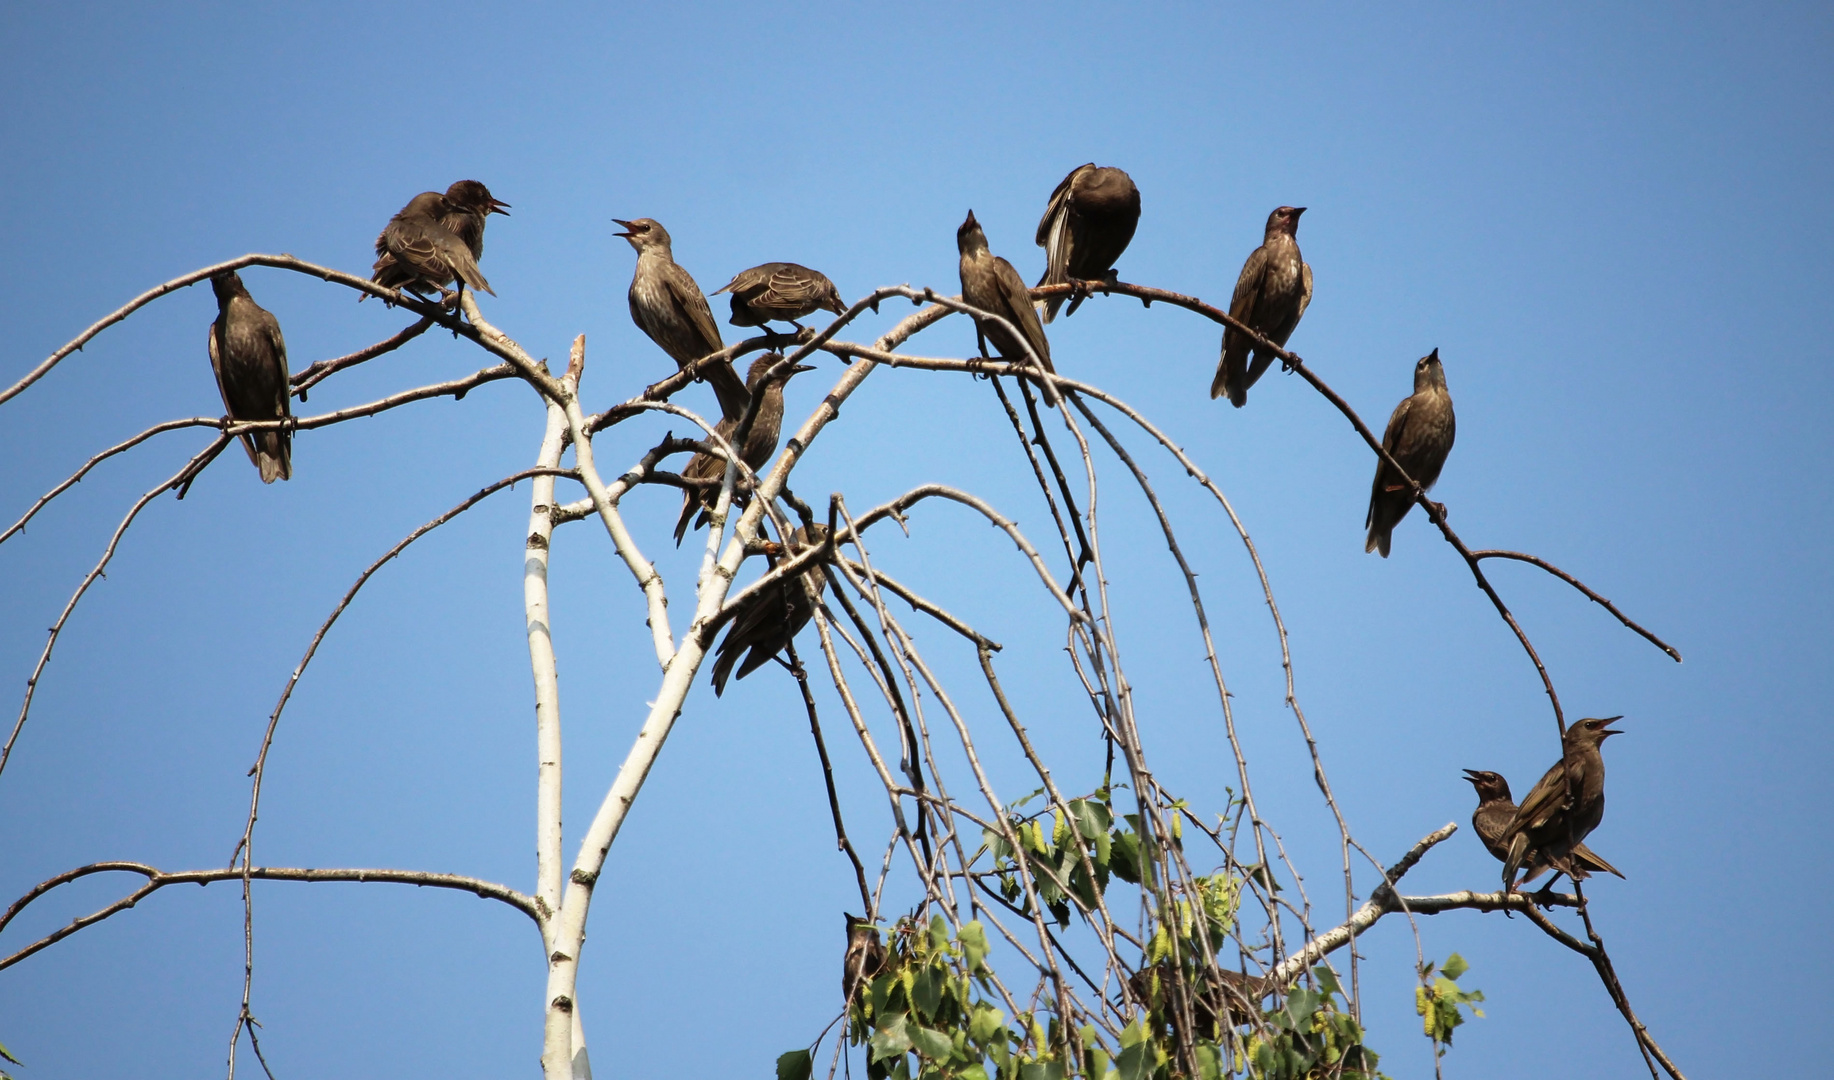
column 760, row 442
column 1565, row 805
column 865, row 959
column 1419, row 437
column 780, row 292
column 991, row 284
column 419, row 252
column 666, row 304
column 1231, row 1003
column 1492, row 816
column 1086, row 226
column 250, row 360
column 774, row 616
column 1270, row 296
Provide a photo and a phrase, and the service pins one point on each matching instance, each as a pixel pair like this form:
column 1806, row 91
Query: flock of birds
column 433, row 246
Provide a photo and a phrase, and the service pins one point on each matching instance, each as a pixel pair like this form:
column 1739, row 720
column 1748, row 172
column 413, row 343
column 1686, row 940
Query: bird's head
column 227, row 283
column 472, row 195
column 1429, row 372
column 969, row 238
column 1284, row 221
column 645, row 234
column 754, row 376
column 1593, row 730
column 1489, row 785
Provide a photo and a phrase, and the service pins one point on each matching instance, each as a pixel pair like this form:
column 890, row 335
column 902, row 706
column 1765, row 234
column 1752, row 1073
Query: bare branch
column 317, row 373
column 1581, row 586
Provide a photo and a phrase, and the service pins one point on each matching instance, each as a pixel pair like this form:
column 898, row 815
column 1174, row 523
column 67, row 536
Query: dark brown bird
column 1233, row 1002
column 1565, row 805
column 1088, row 223
column 1270, row 296
column 666, row 304
column 1491, row 819
column 468, row 204
column 780, row 292
column 1419, row 438
column 864, row 960
column 419, row 252
column 774, row 616
column 991, row 284
column 760, row 441
column 250, row 360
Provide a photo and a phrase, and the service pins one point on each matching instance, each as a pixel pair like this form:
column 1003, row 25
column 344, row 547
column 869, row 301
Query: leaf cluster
column 1439, row 999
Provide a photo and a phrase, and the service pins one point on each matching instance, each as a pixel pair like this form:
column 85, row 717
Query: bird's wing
column 1538, row 807
column 1391, row 441
column 270, row 326
column 1020, row 311
column 745, row 281
column 798, row 285
column 1054, row 211
column 1305, row 294
column 216, row 363
column 1248, row 286
column 1592, row 860
column 693, row 304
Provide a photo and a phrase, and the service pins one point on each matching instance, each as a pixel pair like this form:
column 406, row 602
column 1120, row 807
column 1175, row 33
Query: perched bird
column 250, row 360
column 760, row 441
column 991, row 284
column 1565, row 805
column 1088, row 223
column 865, row 959
column 666, row 304
column 1216, row 1008
column 469, row 203
column 774, row 616
column 1419, row 438
column 1494, row 812
column 780, row 292
column 1270, row 296
column 419, row 252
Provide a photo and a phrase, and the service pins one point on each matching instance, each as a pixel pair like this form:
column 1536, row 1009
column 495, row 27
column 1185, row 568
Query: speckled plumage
column 1495, row 810
column 418, row 252
column 780, row 292
column 760, row 441
column 773, row 617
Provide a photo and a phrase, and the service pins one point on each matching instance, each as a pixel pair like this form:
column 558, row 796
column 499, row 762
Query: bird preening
column 1087, row 224
column 780, row 292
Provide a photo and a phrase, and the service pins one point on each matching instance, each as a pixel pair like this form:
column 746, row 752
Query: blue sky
column 1612, row 222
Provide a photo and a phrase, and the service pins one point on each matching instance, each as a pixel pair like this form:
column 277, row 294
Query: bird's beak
column 1297, row 210
column 1471, row 775
column 498, row 206
column 1434, row 355
column 624, row 223
column 801, row 367
column 1606, row 732
column 971, row 220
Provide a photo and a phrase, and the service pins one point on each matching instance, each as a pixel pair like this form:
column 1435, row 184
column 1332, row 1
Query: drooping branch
column 158, row 879
column 1589, row 594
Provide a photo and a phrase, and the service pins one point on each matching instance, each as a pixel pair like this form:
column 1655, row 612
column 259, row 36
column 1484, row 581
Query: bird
column 780, row 292
column 865, row 959
column 991, row 284
column 760, row 441
column 1087, row 224
column 1565, row 805
column 773, row 616
column 1494, row 811
column 666, row 304
column 249, row 358
column 1419, row 438
column 1270, row 297
column 418, row 251
column 1236, row 996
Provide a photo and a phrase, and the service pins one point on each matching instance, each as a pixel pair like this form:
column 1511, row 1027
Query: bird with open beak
column 1565, row 805
column 667, row 305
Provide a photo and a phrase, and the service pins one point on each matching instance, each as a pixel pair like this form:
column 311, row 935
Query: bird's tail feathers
column 689, row 504
column 1379, row 537
column 275, row 457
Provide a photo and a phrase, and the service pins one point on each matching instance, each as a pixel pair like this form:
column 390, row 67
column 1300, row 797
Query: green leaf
column 1454, row 967
column 1125, row 860
column 974, row 1071
column 931, row 1044
column 891, row 1039
column 926, row 992
column 996, row 844
column 985, row 1023
column 794, row 1065
column 1327, row 980
column 1092, row 818
column 973, row 940
column 939, row 933
column 8, row 1055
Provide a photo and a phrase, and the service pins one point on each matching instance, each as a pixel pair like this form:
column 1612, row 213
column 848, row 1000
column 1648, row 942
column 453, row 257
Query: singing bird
column 1419, row 438
column 249, row 358
column 773, row 616
column 780, row 292
column 865, row 959
column 760, row 441
column 666, row 304
column 468, row 204
column 419, row 252
column 1565, row 805
column 991, row 284
column 1270, row 297
column 1494, row 812
column 1088, row 223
